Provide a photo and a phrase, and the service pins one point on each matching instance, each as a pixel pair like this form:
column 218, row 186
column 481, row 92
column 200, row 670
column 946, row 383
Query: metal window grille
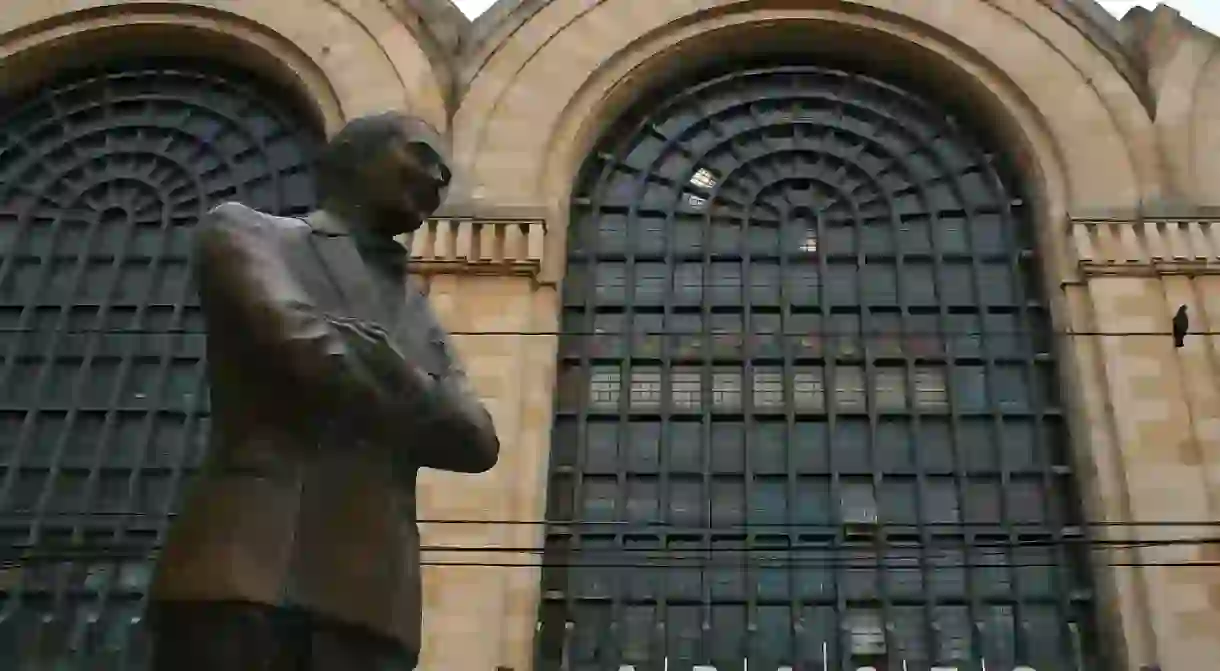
column 848, row 412
column 103, row 403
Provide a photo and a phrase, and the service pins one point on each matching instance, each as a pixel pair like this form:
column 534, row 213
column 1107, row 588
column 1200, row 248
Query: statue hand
column 373, row 344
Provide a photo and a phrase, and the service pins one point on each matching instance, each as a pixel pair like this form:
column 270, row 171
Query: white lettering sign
column 745, row 667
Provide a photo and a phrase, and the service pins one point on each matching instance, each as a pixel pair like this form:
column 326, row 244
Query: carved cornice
column 482, row 246
column 1160, row 246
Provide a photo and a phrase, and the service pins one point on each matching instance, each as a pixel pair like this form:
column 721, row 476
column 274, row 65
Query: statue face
column 410, row 178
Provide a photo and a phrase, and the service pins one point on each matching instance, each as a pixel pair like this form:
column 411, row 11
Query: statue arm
column 336, row 364
column 460, row 434
column 440, row 419
column 244, row 281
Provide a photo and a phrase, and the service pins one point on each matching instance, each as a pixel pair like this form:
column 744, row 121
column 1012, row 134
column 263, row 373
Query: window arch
column 807, row 400
column 103, row 402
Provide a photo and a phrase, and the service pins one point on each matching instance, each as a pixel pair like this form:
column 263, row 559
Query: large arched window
column 807, row 411
column 103, row 403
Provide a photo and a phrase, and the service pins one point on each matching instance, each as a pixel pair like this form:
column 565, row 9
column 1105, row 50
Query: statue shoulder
column 237, row 218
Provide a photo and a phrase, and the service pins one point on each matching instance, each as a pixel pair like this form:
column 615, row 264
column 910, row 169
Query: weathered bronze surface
column 332, row 383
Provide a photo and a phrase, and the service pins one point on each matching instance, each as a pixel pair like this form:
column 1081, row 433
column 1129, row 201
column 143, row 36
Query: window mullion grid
column 116, row 400
column 259, row 144
column 965, row 537
column 576, row 528
column 572, row 481
column 10, row 262
column 747, row 351
column 199, row 393
column 706, row 394
column 190, row 426
column 191, row 420
column 835, row 565
column 581, row 528
column 800, row 539
column 871, row 378
column 626, row 402
column 994, row 411
column 53, row 472
column 51, row 518
column 912, row 427
column 787, row 334
column 1064, row 559
column 79, row 520
column 155, row 396
column 46, row 352
column 665, row 463
column 954, row 358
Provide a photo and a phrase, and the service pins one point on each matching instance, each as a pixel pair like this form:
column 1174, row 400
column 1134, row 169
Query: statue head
column 386, row 171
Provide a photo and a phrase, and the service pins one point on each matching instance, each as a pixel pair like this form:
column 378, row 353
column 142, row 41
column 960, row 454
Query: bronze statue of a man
column 332, row 383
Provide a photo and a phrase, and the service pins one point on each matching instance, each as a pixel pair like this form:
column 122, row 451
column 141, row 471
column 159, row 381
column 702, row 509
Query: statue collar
column 326, row 223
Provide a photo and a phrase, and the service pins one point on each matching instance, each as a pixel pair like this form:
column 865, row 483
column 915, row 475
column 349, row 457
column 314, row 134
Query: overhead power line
column 654, row 564
column 1018, row 527
column 941, row 543
column 712, row 333
column 910, row 556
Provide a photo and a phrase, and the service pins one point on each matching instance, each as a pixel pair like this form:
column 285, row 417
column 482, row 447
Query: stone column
column 481, row 574
column 1152, row 453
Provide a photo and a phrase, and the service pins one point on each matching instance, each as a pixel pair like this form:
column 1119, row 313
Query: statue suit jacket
column 307, row 497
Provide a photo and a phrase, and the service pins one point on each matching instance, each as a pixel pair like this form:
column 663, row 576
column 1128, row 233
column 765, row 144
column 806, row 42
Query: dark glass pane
column 643, row 447
column 105, row 406
column 845, row 393
column 687, row 506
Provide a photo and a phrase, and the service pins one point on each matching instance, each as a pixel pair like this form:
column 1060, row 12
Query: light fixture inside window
column 696, row 201
column 858, row 504
column 810, row 243
column 931, row 390
column 703, row 178
column 866, row 629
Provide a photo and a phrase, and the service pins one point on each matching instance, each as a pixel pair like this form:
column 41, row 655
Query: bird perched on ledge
column 1181, row 323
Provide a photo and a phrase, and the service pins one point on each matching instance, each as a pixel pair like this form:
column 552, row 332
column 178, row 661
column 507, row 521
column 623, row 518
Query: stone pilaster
column 1163, row 406
column 481, row 575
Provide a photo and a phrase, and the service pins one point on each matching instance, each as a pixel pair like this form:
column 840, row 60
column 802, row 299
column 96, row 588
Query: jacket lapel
column 418, row 330
column 347, row 271
column 406, row 321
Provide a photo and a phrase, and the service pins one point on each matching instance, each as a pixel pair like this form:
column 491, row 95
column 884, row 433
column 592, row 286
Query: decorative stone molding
column 483, row 246
column 1149, row 246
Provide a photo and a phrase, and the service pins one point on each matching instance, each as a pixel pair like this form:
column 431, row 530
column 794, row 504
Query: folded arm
column 459, row 433
column 338, row 365
column 246, row 286
column 446, row 426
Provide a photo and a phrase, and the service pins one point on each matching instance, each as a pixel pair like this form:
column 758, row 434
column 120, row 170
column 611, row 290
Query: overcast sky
column 1204, row 13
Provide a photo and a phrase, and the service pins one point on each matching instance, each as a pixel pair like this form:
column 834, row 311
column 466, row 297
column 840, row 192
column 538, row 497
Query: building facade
column 817, row 334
